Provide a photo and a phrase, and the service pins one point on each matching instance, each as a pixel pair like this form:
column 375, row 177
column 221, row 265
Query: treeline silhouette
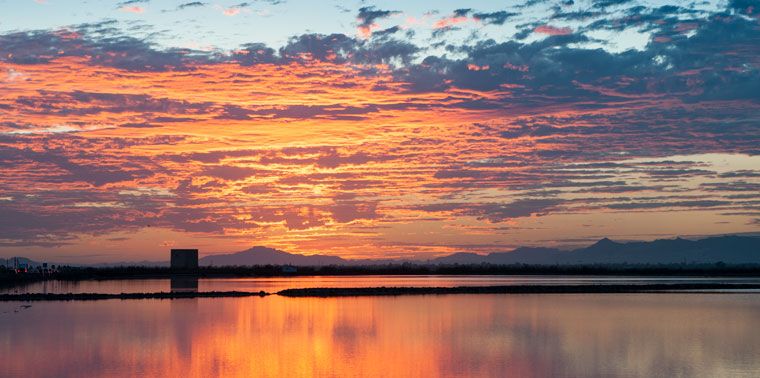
column 70, row 273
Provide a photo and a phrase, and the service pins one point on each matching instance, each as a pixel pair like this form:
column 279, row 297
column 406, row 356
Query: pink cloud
column 231, row 11
column 67, row 34
column 553, row 30
column 132, row 9
column 686, row 26
column 662, row 39
column 521, row 68
column 449, row 21
column 475, row 67
column 411, row 20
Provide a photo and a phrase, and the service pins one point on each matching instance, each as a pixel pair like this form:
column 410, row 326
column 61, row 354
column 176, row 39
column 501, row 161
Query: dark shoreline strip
column 102, row 296
column 512, row 289
column 687, row 288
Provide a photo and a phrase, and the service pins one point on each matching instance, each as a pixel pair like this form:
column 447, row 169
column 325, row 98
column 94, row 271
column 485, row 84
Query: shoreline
column 37, row 297
column 685, row 288
column 515, row 289
column 74, row 274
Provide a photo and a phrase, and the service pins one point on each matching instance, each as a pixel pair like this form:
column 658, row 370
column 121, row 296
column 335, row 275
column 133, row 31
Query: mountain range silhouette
column 726, row 249
column 731, row 249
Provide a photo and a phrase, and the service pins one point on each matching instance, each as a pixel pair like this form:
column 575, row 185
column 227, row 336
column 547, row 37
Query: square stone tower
column 184, row 259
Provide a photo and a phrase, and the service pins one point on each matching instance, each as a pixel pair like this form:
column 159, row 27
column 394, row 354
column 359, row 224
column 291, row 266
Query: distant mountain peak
column 261, row 255
column 261, row 248
column 604, row 242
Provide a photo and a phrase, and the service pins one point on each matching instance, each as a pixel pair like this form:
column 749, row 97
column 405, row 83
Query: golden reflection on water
column 464, row 335
column 275, row 284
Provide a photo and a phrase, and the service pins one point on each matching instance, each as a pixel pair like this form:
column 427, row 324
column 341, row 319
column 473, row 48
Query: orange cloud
column 323, row 146
column 366, row 31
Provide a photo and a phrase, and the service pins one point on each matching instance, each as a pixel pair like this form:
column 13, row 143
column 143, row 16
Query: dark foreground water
column 275, row 284
column 569, row 335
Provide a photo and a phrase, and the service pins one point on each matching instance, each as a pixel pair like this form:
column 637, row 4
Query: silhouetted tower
column 184, row 259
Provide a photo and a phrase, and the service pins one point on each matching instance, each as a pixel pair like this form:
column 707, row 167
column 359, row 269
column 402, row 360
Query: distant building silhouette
column 184, row 258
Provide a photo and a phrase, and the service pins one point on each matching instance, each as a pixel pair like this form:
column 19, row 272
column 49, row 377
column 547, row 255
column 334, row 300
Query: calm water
column 633, row 335
column 274, row 284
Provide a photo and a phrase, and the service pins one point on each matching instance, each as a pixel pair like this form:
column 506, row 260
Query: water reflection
column 183, row 284
column 478, row 335
column 275, row 284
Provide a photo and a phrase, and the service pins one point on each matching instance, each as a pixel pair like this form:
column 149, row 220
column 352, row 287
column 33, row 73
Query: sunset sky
column 373, row 129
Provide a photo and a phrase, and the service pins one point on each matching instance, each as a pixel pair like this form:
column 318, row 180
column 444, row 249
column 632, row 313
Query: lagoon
column 568, row 335
column 275, row 284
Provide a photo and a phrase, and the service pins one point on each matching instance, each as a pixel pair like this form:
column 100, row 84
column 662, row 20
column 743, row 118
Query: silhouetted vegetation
column 395, row 291
column 102, row 296
column 513, row 289
column 8, row 277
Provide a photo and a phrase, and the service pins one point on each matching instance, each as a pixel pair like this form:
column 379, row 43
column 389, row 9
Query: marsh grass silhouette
column 650, row 288
column 9, row 279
